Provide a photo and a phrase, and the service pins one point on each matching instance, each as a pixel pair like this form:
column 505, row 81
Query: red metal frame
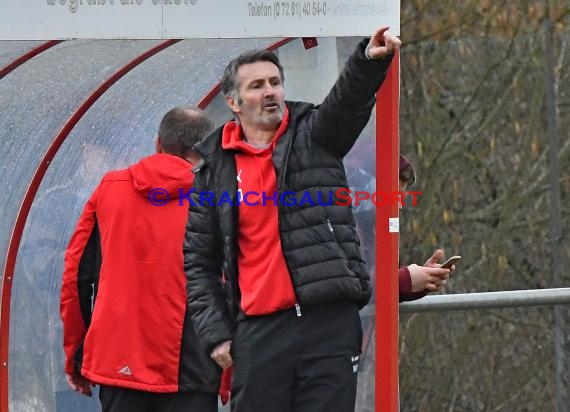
column 280, row 43
column 387, row 168
column 24, row 58
column 26, row 205
column 207, row 99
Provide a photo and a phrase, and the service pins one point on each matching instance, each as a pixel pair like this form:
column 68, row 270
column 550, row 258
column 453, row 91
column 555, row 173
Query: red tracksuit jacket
column 126, row 252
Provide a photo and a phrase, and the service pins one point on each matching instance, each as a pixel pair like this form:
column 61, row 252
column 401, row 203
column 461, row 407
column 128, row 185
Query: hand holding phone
column 450, row 262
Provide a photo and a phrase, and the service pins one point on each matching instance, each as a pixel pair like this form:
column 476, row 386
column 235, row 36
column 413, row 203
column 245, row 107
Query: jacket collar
column 211, row 147
column 283, row 147
column 213, row 143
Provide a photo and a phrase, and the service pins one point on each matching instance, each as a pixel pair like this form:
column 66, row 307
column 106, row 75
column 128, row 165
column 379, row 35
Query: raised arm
column 346, row 109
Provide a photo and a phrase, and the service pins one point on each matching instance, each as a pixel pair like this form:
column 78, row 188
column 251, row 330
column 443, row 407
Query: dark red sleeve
column 406, row 293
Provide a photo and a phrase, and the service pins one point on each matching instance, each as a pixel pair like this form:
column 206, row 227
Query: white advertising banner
column 157, row 19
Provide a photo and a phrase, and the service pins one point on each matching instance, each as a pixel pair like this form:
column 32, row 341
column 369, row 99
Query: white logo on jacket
column 240, row 190
column 125, row 370
column 355, row 362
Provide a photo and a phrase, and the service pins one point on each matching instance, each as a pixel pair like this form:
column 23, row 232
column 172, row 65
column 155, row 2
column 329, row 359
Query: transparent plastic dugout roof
column 38, row 98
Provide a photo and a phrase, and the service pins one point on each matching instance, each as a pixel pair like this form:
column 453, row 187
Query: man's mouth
column 271, row 106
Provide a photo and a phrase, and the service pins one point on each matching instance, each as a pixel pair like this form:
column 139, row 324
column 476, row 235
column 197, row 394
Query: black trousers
column 287, row 363
column 115, row 399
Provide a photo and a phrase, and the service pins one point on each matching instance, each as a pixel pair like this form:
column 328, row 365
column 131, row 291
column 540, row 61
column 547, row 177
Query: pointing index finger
column 379, row 34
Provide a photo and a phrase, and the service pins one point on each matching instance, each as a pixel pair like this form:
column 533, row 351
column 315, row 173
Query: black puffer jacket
column 320, row 243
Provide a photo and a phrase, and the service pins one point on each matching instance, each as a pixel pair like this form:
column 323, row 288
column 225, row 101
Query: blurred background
column 473, row 120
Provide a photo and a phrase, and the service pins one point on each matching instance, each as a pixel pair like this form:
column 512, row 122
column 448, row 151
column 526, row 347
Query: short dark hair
column 181, row 128
column 229, row 81
column 407, row 172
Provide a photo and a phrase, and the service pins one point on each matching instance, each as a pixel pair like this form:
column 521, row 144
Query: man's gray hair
column 229, row 81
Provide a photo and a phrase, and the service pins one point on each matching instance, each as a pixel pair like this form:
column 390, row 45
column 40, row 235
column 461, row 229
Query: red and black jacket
column 126, row 256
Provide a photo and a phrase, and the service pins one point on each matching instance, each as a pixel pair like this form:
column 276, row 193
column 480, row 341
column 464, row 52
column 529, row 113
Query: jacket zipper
column 331, row 231
column 280, row 185
column 329, row 226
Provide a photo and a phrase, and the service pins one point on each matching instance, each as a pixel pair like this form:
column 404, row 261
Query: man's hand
column 79, row 383
column 425, row 278
column 436, row 257
column 382, row 44
column 221, row 354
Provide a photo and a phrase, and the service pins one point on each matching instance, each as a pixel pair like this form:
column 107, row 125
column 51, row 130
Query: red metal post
column 387, row 167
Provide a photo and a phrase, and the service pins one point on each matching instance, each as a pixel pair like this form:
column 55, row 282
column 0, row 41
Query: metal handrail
column 488, row 300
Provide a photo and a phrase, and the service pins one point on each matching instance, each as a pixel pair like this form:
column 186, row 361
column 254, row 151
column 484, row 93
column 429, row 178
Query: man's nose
column 269, row 89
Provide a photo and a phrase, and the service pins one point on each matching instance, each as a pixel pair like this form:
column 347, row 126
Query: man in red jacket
column 123, row 297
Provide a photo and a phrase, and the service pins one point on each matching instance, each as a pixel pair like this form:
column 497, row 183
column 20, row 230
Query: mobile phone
column 450, row 262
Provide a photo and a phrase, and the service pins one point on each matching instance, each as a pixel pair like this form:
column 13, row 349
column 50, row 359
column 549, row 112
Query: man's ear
column 232, row 103
column 158, row 145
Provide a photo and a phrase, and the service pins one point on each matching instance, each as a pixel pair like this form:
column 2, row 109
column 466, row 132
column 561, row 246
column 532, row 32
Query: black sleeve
column 345, row 111
column 87, row 282
column 202, row 264
column 88, row 274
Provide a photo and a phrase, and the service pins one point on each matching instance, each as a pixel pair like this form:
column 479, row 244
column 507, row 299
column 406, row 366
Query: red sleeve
column 405, row 280
column 73, row 319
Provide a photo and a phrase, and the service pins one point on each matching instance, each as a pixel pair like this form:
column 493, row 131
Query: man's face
column 261, row 102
